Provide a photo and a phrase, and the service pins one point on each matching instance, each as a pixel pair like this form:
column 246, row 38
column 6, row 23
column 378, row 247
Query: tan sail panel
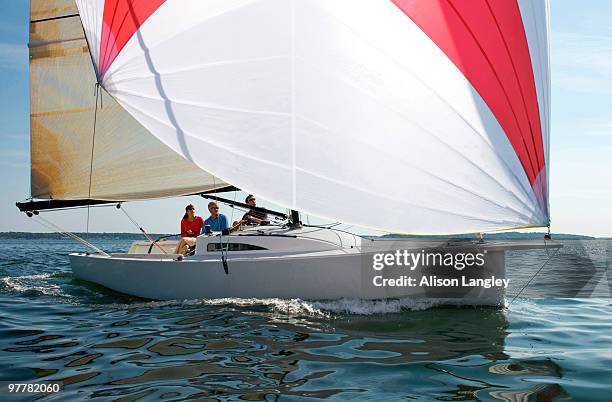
column 45, row 9
column 128, row 162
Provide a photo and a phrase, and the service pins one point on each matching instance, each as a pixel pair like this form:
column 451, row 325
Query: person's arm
column 252, row 218
column 201, row 223
column 183, row 228
column 255, row 220
column 236, row 226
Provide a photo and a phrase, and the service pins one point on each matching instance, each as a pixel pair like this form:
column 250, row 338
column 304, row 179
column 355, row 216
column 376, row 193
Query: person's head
column 213, row 208
column 189, row 212
column 250, row 200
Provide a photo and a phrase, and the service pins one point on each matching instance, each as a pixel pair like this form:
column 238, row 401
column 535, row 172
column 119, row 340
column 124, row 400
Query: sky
column 581, row 131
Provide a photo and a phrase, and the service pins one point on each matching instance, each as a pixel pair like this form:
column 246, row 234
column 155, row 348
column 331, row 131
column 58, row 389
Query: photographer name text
column 410, row 260
column 434, row 281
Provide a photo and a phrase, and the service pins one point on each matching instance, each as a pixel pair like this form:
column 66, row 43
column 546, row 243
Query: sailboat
column 420, row 117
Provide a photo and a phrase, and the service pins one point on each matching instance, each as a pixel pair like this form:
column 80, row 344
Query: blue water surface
column 554, row 342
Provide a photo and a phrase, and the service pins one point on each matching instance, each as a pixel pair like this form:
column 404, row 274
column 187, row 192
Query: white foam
column 29, row 283
column 285, row 306
column 371, row 307
column 298, row 307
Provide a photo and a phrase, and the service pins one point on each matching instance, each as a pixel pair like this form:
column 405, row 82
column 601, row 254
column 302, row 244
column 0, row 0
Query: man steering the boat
column 254, row 217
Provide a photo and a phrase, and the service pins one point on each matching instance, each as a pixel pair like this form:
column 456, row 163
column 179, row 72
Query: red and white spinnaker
column 413, row 116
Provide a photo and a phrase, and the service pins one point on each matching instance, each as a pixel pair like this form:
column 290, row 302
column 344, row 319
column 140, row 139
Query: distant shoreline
column 511, row 236
column 136, row 236
column 97, row 235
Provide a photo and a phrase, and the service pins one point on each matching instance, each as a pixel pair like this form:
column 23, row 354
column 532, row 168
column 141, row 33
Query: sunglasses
column 214, row 208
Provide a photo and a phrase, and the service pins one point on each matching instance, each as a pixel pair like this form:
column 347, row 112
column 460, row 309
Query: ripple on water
column 112, row 346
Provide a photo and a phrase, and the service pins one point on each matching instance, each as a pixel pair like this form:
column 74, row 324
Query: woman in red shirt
column 191, row 228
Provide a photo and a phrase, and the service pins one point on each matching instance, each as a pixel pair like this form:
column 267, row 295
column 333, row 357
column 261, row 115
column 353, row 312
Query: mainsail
column 413, row 116
column 128, row 162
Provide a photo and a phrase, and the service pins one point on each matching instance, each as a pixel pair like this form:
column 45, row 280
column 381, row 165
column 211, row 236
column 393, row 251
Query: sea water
column 554, row 342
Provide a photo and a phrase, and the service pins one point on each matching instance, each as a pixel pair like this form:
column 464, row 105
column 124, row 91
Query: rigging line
column 93, row 144
column 534, row 275
column 59, row 17
column 340, row 230
column 55, row 228
column 232, row 217
column 223, row 257
column 153, row 242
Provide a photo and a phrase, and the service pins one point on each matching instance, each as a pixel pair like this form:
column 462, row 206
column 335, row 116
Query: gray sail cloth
column 128, row 162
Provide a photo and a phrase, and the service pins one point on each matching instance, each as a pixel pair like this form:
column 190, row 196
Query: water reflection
column 215, row 352
column 106, row 345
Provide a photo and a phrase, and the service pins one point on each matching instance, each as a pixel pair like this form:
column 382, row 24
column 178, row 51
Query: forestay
column 411, row 116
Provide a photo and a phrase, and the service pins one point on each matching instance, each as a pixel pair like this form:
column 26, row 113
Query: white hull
column 324, row 277
column 343, row 272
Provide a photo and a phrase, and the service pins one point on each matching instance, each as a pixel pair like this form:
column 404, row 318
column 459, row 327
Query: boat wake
column 373, row 307
column 38, row 284
column 46, row 284
column 298, row 307
column 293, row 307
